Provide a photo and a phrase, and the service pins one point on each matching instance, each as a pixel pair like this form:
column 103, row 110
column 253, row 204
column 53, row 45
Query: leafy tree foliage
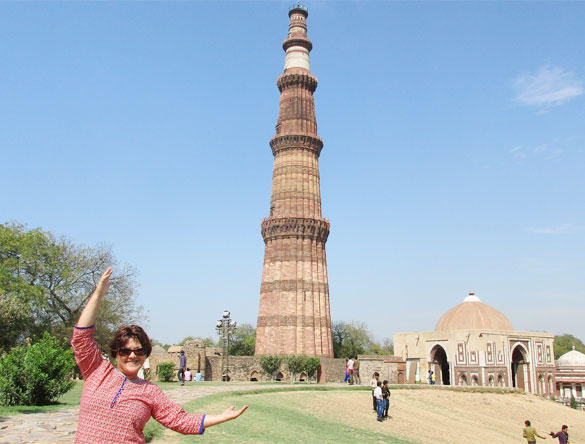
column 165, row 371
column 36, row 375
column 45, row 283
column 564, row 343
column 270, row 364
column 243, row 341
column 311, row 366
column 295, row 365
column 352, row 339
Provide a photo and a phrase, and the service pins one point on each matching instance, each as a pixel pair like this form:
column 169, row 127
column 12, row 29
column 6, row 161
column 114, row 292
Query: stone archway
column 519, row 368
column 439, row 358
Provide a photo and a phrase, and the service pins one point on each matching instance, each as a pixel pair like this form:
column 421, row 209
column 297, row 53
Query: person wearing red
column 115, row 403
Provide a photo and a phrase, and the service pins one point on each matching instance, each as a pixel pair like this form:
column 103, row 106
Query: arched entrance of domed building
column 441, row 365
column 519, row 368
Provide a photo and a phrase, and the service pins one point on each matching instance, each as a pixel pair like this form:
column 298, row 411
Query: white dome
column 572, row 359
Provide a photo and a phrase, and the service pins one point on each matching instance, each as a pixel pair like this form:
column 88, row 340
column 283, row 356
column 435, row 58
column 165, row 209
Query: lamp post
column 225, row 327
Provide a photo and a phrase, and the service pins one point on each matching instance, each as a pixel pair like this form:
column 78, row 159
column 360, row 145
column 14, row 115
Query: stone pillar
column 294, row 314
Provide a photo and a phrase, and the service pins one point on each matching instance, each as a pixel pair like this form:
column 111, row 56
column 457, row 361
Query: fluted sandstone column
column 294, row 315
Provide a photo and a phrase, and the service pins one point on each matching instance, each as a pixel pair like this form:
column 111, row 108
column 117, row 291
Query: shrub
column 573, row 402
column 270, row 364
column 311, row 367
column 165, row 371
column 36, row 375
column 295, row 365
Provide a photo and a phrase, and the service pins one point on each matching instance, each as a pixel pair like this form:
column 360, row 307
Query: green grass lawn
column 270, row 419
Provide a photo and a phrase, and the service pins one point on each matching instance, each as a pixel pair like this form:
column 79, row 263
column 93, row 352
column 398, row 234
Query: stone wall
column 247, row 368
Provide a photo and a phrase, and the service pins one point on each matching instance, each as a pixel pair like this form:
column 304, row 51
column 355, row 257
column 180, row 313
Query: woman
column 115, row 403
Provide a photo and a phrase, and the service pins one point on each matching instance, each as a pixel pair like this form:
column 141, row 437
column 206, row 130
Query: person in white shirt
column 379, row 400
column 350, row 370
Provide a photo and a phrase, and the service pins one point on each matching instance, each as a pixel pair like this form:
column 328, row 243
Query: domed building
column 570, row 376
column 476, row 344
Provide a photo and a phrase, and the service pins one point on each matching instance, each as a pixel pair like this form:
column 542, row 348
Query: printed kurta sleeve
column 87, row 353
column 173, row 416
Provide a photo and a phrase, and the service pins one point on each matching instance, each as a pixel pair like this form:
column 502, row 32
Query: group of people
column 530, row 434
column 352, row 371
column 380, row 397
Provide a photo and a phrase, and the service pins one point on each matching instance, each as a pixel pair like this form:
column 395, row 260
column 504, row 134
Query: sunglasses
column 139, row 352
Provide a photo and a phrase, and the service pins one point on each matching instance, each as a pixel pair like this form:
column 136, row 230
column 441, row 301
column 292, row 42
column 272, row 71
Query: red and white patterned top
column 114, row 409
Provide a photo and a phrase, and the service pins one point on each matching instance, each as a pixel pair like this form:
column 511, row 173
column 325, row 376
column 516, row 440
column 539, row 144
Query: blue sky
column 453, row 161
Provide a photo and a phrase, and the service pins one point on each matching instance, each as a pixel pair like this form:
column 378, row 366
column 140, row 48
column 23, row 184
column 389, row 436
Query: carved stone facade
column 294, row 315
column 475, row 345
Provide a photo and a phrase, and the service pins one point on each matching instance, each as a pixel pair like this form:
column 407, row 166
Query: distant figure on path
column 379, row 400
column 350, row 370
column 430, row 377
column 433, row 378
column 346, row 370
column 563, row 435
column 386, row 398
column 356, row 371
column 374, row 384
column 182, row 367
column 116, row 404
column 530, row 433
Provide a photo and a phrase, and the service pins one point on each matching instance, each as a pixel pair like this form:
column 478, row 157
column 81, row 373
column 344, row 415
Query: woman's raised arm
column 90, row 312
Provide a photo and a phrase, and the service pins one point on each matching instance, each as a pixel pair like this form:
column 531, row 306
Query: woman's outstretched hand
column 104, row 284
column 227, row 415
column 230, row 413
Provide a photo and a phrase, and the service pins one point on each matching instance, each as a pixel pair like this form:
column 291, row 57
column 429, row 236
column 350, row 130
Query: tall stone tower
column 294, row 315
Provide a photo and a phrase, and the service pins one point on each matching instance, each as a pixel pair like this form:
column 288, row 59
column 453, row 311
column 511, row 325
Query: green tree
column 243, row 341
column 311, row 366
column 36, row 375
column 270, row 364
column 50, row 279
column 208, row 342
column 352, row 339
column 295, row 365
column 564, row 343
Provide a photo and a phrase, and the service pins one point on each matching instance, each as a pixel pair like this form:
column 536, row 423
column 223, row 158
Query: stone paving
column 58, row 427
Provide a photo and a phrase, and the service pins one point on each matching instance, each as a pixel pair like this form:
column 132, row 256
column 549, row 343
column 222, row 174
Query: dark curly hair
column 128, row 332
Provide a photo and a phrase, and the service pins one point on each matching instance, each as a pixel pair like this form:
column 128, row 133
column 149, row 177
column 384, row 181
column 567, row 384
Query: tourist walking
column 346, row 370
column 116, row 404
column 530, row 433
column 430, row 377
column 182, row 367
column 433, row 378
column 356, row 371
column 379, row 400
column 374, row 384
column 563, row 435
column 386, row 398
column 350, row 370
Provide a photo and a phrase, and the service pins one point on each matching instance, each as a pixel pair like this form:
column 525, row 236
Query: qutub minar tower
column 294, row 316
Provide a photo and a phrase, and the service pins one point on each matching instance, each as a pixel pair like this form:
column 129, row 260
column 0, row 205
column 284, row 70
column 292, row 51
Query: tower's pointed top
column 298, row 8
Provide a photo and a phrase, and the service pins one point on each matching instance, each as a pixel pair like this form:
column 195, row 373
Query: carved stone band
column 283, row 227
column 296, row 141
column 307, row 80
column 303, row 42
column 295, row 285
column 293, row 321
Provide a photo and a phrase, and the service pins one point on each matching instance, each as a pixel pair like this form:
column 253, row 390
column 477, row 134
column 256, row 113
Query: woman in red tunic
column 115, row 402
